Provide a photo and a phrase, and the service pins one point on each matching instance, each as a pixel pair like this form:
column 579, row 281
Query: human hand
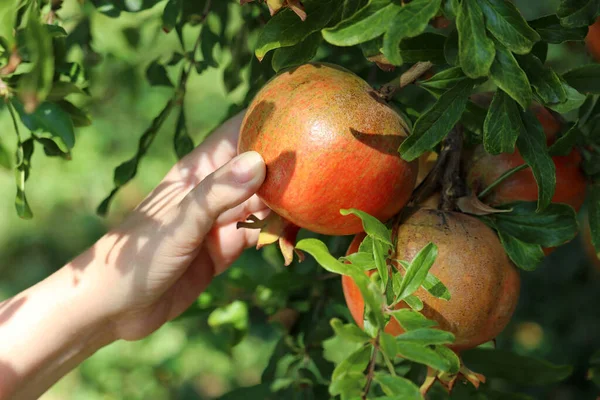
column 154, row 266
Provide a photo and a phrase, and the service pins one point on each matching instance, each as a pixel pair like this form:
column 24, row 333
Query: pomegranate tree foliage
column 472, row 44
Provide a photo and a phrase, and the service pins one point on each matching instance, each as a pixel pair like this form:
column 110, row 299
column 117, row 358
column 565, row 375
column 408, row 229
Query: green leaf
column 182, row 142
column 348, row 387
column 4, row 157
column 157, row 75
column 444, row 80
column 208, row 40
column 232, row 318
column 53, row 147
column 526, row 256
column 61, row 89
column 23, row 166
column 540, row 50
column 450, row 356
column 502, row 124
column 387, row 345
column 414, row 302
column 426, row 336
column 574, row 100
column 410, row 320
column 109, row 8
column 451, row 48
column 372, row 226
column 594, row 214
column 128, row 169
column 285, row 29
column 362, row 260
column 349, row 332
column 564, row 145
column 532, row 146
column 235, row 314
column 578, row 13
column 473, row 119
column 366, row 246
column 433, row 125
column 321, row 254
column 380, row 256
column 336, row 349
column 508, row 75
column 410, row 21
column 425, row 47
column 551, row 31
column 555, row 225
column 417, row 270
column 8, row 13
column 508, row 26
column 435, row 287
column 48, row 117
column 585, row 79
column 298, row 54
column 171, row 14
column 35, row 86
column 422, row 355
column 355, row 363
column 397, row 386
column 78, row 116
column 514, row 368
column 545, row 81
column 475, row 50
column 368, row 23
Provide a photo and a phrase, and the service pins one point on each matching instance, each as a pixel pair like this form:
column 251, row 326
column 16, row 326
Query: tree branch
column 371, row 367
column 452, row 184
column 388, row 90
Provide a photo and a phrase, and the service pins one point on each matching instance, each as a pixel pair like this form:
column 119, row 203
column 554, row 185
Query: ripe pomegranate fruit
column 483, row 169
column 483, row 283
column 329, row 142
column 592, row 40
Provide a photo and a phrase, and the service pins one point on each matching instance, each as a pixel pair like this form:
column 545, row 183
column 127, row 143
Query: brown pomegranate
column 329, row 143
column 483, row 283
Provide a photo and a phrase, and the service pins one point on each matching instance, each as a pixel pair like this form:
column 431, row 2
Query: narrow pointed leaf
column 475, row 50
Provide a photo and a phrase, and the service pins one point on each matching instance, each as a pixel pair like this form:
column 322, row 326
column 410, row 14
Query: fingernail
column 246, row 166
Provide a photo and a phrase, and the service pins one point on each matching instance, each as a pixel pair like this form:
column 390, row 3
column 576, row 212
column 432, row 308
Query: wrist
column 53, row 327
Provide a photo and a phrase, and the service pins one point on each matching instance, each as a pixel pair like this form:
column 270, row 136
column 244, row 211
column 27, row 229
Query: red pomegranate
column 329, row 143
column 483, row 168
column 592, row 40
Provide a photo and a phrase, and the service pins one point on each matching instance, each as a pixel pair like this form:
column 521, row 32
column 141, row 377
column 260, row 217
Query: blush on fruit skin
column 592, row 40
column 329, row 143
column 483, row 283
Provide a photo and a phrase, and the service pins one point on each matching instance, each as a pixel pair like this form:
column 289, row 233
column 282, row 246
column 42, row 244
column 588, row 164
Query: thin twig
column 11, row 111
column 452, row 185
column 371, row 367
column 388, row 90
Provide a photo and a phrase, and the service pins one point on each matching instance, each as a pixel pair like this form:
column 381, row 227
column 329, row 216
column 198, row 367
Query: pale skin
column 140, row 275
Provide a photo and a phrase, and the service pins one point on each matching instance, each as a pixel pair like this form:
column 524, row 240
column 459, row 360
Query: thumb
column 227, row 187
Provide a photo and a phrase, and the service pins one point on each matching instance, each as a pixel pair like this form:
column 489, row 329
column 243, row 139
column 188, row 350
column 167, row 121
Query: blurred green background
column 557, row 319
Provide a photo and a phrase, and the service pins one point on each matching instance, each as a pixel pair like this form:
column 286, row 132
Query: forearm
column 49, row 329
